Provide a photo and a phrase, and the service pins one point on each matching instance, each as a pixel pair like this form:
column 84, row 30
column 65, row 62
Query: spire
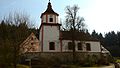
column 49, row 10
column 49, row 5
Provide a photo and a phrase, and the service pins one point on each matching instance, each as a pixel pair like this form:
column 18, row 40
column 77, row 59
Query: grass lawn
column 75, row 66
column 117, row 59
column 21, row 66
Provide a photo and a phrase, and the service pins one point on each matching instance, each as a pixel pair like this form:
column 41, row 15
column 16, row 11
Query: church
column 56, row 44
column 52, row 39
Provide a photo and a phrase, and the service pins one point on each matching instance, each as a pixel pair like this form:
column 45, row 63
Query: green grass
column 20, row 66
column 117, row 61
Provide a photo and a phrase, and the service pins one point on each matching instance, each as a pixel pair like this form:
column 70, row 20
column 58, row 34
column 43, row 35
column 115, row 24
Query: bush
column 90, row 61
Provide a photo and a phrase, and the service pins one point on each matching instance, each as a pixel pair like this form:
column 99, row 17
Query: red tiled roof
column 81, row 36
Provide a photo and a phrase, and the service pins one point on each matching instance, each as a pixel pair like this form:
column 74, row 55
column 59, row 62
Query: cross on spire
column 49, row 0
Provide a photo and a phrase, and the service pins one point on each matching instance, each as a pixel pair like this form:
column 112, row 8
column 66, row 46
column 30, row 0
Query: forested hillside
column 13, row 32
column 111, row 41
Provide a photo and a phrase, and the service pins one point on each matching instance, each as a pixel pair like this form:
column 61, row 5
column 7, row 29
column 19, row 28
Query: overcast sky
column 101, row 15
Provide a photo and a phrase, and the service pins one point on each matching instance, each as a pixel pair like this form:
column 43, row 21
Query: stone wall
column 64, row 56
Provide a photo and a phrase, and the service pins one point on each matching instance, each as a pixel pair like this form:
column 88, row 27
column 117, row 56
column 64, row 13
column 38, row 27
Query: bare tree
column 18, row 33
column 73, row 23
column 73, row 20
column 18, row 18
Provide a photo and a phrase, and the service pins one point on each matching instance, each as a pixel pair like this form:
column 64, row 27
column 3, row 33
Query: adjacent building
column 31, row 44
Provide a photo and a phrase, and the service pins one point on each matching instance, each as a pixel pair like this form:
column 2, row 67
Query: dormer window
column 51, row 18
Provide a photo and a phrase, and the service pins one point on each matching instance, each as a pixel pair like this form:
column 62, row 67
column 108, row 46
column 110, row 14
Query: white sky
column 101, row 15
column 104, row 16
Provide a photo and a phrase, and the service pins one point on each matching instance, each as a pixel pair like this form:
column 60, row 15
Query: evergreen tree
column 13, row 31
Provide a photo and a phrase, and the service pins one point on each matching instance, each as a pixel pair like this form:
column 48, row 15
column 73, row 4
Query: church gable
column 31, row 44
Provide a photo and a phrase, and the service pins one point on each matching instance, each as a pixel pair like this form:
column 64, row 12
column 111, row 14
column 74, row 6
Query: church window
column 80, row 46
column 88, row 48
column 51, row 18
column 70, row 46
column 31, row 38
column 51, row 46
column 31, row 43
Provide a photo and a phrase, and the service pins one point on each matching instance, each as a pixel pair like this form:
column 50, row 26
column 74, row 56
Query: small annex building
column 31, row 44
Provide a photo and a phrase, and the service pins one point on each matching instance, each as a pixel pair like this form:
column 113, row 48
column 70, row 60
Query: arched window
column 88, row 48
column 51, row 46
column 70, row 46
column 80, row 46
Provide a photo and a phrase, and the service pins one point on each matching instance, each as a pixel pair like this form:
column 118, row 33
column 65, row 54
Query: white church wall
column 44, row 18
column 95, row 46
column 53, row 19
column 51, row 34
column 57, row 19
column 65, row 45
column 40, row 35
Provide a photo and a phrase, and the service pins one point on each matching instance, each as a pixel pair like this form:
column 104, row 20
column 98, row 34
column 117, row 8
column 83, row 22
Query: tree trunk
column 15, row 57
column 73, row 43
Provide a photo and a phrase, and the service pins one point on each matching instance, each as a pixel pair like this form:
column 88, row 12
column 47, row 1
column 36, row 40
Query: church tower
column 49, row 16
column 49, row 31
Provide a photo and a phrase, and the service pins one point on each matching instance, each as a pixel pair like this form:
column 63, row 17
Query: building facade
column 31, row 44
